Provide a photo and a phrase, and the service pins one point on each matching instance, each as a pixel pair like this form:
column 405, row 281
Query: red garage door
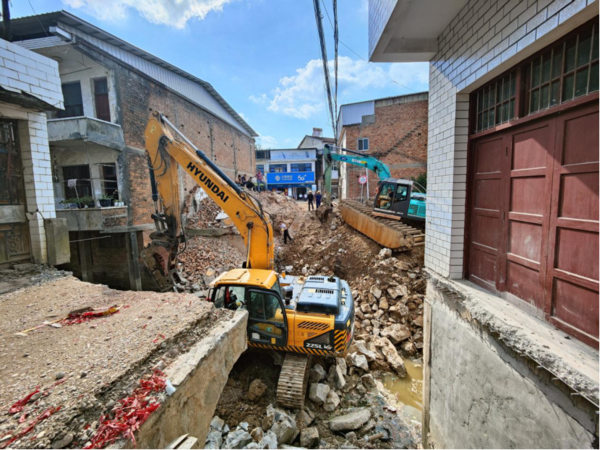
column 534, row 217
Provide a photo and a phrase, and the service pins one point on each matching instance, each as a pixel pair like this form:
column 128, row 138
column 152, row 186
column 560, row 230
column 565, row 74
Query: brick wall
column 231, row 150
column 486, row 38
column 137, row 96
column 397, row 137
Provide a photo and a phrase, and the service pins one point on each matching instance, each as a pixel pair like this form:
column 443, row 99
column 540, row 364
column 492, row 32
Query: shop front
column 293, row 184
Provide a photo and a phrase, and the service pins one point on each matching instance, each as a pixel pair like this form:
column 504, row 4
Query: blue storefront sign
column 291, row 178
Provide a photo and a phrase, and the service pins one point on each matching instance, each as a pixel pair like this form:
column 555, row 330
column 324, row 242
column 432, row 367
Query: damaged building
column 29, row 229
column 99, row 171
column 511, row 318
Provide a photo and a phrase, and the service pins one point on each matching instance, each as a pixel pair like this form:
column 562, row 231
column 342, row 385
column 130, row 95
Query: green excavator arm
column 354, row 158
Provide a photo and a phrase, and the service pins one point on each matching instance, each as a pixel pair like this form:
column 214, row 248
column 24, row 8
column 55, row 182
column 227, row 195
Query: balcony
column 71, row 131
column 94, row 219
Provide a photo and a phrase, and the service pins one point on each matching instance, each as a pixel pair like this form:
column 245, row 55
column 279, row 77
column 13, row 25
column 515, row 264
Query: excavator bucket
column 389, row 233
column 160, row 260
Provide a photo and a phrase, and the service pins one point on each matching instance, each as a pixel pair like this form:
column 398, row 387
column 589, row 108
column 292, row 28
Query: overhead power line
column 330, row 102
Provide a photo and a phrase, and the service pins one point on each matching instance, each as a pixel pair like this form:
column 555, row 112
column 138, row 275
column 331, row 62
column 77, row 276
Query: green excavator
column 399, row 209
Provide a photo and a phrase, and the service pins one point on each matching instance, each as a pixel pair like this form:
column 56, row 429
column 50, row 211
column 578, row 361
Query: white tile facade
column 25, row 71
column 483, row 40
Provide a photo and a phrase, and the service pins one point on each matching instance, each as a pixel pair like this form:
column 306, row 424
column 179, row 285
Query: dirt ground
column 85, row 368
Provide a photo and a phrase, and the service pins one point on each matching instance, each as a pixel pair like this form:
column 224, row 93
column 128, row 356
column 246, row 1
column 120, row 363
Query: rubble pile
column 204, row 215
column 343, row 409
column 388, row 289
column 280, row 208
column 205, row 258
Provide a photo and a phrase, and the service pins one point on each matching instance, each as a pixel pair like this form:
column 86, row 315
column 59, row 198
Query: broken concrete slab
column 351, row 421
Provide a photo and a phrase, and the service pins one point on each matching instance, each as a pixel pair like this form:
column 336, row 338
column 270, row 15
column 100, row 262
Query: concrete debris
column 305, row 418
column 357, row 360
column 214, row 439
column 284, row 426
column 391, row 356
column 309, row 437
column 331, row 402
column 318, row 393
column 237, row 439
column 217, row 423
column 336, row 376
column 256, row 390
column 396, row 333
column 257, row 434
column 368, row 381
column 317, row 373
column 385, row 253
column 351, row 421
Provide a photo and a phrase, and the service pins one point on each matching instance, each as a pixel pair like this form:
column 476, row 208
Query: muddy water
column 408, row 391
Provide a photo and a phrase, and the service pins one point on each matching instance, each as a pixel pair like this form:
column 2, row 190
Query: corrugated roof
column 37, row 26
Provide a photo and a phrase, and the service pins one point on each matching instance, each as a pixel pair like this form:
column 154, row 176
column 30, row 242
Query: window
column 301, row 167
column 264, row 307
column 277, row 168
column 109, row 180
column 260, row 168
column 82, row 187
column 101, row 99
column 496, row 102
column 11, row 175
column 564, row 72
column 229, row 296
column 73, row 100
column 362, row 144
column 263, row 154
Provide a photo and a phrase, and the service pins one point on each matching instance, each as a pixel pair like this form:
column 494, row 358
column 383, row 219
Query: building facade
column 394, row 130
column 318, row 141
column 511, row 318
column 291, row 171
column 29, row 229
column 100, row 174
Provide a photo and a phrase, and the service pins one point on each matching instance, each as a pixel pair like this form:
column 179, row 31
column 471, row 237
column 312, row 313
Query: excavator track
column 389, row 233
column 293, row 380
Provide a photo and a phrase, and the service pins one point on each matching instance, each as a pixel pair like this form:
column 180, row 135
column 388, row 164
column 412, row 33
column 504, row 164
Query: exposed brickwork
column 397, row 136
column 138, row 96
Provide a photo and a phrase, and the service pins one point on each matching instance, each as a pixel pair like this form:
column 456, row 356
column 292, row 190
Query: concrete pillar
column 37, row 173
column 135, row 274
column 85, row 256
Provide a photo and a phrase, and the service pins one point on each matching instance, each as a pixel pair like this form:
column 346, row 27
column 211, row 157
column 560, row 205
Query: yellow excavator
column 300, row 316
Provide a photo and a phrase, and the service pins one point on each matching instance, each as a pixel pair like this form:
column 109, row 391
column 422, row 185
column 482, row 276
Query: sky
column 262, row 56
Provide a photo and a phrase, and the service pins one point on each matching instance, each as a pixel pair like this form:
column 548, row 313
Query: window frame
column 66, row 112
column 301, row 164
column 360, row 142
column 522, row 89
column 272, row 166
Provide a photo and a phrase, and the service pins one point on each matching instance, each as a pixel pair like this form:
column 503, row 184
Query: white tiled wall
column 23, row 70
column 484, row 39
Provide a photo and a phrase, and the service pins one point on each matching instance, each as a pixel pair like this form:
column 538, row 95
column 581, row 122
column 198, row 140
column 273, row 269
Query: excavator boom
column 167, row 149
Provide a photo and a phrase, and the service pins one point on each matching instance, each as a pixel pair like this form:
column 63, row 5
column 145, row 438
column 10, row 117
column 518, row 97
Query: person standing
column 286, row 233
column 318, row 199
column 259, row 180
column 311, row 198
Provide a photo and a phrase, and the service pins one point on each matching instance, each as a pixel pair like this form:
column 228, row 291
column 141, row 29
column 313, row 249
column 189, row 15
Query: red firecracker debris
column 82, row 317
column 158, row 337
column 18, row 407
column 130, row 413
column 32, row 425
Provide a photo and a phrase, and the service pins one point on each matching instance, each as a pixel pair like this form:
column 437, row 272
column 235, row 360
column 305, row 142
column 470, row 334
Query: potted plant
column 86, row 202
column 105, row 201
column 70, row 203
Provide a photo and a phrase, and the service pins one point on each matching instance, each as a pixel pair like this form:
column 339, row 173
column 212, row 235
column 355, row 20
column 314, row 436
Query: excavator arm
column 354, row 158
column 167, row 149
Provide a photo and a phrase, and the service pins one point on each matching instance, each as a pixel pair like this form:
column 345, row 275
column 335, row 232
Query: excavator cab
column 393, row 198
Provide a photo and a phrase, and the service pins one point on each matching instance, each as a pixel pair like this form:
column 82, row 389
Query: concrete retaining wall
column 482, row 394
column 199, row 377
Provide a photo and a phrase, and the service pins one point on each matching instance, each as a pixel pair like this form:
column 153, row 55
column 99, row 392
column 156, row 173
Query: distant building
column 392, row 129
column 292, row 171
column 316, row 140
column 97, row 156
column 511, row 248
column 29, row 230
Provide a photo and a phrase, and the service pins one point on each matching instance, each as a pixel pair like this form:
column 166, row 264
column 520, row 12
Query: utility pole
column 6, row 21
